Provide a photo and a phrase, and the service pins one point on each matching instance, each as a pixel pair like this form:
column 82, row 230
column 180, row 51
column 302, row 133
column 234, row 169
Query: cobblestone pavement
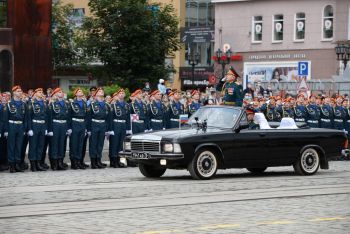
column 123, row 201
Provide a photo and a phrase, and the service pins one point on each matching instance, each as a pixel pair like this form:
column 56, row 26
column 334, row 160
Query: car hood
column 174, row 133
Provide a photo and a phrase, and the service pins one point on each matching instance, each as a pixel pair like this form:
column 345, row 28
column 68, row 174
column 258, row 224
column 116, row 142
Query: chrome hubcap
column 206, row 164
column 310, row 160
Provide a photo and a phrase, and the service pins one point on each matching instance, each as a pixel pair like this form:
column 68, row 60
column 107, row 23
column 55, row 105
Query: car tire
column 257, row 170
column 308, row 162
column 204, row 164
column 150, row 171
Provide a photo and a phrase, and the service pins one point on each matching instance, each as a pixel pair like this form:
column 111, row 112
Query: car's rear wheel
column 151, row 171
column 204, row 164
column 308, row 162
column 256, row 170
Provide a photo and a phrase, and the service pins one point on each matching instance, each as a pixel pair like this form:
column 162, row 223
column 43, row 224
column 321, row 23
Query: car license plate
column 140, row 155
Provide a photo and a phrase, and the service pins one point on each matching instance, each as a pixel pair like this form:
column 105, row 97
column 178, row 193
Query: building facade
column 283, row 41
column 25, row 43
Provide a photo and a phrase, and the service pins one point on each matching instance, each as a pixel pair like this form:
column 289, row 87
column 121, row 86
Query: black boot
column 32, row 166
column 24, row 166
column 100, row 164
column 60, row 165
column 54, row 164
column 112, row 162
column 84, row 164
column 73, row 164
column 4, row 167
column 94, row 163
column 43, row 165
column 39, row 167
column 12, row 168
column 18, row 168
column 79, row 165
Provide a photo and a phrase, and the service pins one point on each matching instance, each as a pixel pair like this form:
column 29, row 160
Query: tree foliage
column 131, row 39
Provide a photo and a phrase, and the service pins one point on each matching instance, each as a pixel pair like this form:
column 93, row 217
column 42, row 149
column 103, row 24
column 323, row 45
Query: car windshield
column 216, row 116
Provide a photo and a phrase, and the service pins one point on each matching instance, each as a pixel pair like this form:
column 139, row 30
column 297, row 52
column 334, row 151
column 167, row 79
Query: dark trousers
column 338, row 125
column 58, row 140
column 156, row 125
column 138, row 127
column 173, row 124
column 24, row 147
column 116, row 141
column 47, row 144
column 324, row 124
column 36, row 142
column 76, row 140
column 3, row 150
column 14, row 142
column 96, row 139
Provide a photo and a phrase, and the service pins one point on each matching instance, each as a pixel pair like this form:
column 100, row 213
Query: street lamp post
column 343, row 53
column 223, row 58
column 193, row 60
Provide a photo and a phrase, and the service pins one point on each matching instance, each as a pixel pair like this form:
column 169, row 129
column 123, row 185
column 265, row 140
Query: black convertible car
column 217, row 137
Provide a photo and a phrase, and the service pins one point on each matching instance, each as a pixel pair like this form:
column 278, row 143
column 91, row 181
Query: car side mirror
column 242, row 125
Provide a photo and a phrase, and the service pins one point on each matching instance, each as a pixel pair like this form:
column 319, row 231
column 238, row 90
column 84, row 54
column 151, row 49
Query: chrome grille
column 145, row 146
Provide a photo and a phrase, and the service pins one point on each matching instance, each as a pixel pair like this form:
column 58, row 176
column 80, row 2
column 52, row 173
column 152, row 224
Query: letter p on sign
column 303, row 68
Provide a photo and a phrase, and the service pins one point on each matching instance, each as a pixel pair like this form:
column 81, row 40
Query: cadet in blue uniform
column 327, row 115
column 99, row 117
column 175, row 109
column 157, row 112
column 287, row 110
column 38, row 114
column 339, row 114
column 272, row 112
column 300, row 110
column 313, row 113
column 140, row 108
column 60, row 126
column 78, row 114
column 231, row 90
column 3, row 140
column 15, row 126
column 120, row 111
column 195, row 104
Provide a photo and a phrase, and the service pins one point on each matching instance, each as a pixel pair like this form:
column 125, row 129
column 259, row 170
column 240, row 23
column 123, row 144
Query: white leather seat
column 287, row 123
column 260, row 119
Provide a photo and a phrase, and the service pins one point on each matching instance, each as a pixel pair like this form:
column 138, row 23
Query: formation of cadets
column 45, row 123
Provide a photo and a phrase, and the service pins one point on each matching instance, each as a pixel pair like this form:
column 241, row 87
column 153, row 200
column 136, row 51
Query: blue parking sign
column 303, row 68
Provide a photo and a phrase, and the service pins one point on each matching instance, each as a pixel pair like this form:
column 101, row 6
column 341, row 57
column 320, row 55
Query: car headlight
column 177, row 148
column 127, row 145
column 168, row 148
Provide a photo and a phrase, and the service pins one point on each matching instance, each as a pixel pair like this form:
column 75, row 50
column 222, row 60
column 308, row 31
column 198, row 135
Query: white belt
column 98, row 120
column 59, row 121
column 177, row 120
column 78, row 120
column 312, row 121
column 326, row 120
column 348, row 121
column 300, row 120
column 119, row 120
column 338, row 120
column 157, row 120
column 138, row 121
column 15, row 122
column 38, row 121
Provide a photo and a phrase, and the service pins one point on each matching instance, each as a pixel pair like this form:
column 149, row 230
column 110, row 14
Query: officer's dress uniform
column 157, row 115
column 326, row 117
column 140, row 125
column 120, row 112
column 99, row 118
column 232, row 94
column 78, row 114
column 175, row 109
column 193, row 107
column 15, row 125
column 25, row 143
column 3, row 145
column 38, row 116
column 59, row 124
column 300, row 113
column 313, row 115
column 339, row 117
column 288, row 112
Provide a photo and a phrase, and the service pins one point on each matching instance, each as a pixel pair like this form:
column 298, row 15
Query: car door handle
column 262, row 134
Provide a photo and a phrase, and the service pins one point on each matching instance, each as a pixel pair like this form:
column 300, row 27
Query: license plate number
column 140, row 155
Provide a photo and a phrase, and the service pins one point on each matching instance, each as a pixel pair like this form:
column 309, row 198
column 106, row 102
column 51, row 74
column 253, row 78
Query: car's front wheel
column 257, row 170
column 204, row 164
column 151, row 171
column 308, row 162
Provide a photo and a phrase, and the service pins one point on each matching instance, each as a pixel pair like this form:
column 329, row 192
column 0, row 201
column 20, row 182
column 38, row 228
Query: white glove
column 0, row 134
column 50, row 134
column 150, row 130
column 69, row 131
column 88, row 133
column 45, row 132
column 128, row 132
column 111, row 133
column 146, row 130
column 30, row 133
column 6, row 134
column 163, row 128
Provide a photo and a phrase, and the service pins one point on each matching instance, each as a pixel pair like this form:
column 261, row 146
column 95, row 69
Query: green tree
column 131, row 39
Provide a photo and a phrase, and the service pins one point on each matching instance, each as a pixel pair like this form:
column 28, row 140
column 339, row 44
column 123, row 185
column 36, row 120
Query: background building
column 25, row 43
column 274, row 36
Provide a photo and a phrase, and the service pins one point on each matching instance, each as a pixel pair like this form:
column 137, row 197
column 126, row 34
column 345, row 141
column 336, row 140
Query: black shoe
column 60, row 165
column 113, row 162
column 4, row 167
column 54, row 164
column 18, row 168
column 32, row 166
column 39, row 166
column 73, row 164
column 94, row 163
column 100, row 164
column 12, row 168
column 44, row 165
column 79, row 165
column 65, row 165
column 24, row 166
column 84, row 164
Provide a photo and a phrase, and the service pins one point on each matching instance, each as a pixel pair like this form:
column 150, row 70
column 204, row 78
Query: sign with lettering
column 201, row 75
column 197, row 34
column 276, row 56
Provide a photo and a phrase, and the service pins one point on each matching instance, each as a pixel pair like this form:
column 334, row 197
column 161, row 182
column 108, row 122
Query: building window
column 3, row 13
column 277, row 28
column 257, row 28
column 327, row 23
column 199, row 13
column 299, row 31
column 191, row 13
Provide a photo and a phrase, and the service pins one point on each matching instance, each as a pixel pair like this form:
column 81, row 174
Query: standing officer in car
column 195, row 104
column 60, row 126
column 157, row 111
column 175, row 109
column 120, row 111
column 231, row 90
column 139, row 108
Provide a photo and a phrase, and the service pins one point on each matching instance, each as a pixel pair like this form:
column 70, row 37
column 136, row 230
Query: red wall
column 31, row 24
